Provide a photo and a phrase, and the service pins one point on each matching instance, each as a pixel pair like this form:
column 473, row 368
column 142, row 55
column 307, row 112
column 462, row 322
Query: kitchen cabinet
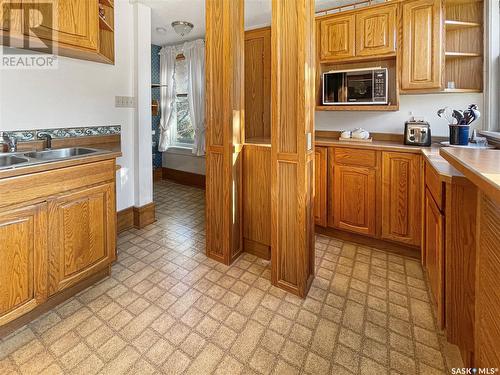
column 77, row 22
column 23, row 260
column 81, row 234
column 376, row 31
column 434, row 252
column 337, row 37
column 354, row 199
column 320, row 186
column 422, row 45
column 73, row 28
column 401, row 198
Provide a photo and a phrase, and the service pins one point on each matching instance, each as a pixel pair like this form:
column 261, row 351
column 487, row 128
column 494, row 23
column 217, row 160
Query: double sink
column 13, row 160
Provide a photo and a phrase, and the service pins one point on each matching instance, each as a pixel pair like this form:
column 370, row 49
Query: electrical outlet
column 124, row 102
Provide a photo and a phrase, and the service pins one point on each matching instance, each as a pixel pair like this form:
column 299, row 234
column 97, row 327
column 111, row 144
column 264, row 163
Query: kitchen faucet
column 47, row 137
column 10, row 141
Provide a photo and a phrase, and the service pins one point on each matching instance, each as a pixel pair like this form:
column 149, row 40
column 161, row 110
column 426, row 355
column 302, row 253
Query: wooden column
column 292, row 151
column 224, row 116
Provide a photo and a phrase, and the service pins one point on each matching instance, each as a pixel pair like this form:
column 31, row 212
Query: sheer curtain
column 194, row 52
column 167, row 92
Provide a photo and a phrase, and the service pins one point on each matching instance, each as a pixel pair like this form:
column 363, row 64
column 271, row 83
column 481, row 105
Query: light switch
column 124, row 101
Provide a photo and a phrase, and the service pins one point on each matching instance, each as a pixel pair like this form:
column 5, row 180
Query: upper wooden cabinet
column 23, row 260
column 376, row 31
column 401, row 198
column 73, row 28
column 320, row 182
column 82, row 240
column 422, row 45
column 337, row 37
column 77, row 24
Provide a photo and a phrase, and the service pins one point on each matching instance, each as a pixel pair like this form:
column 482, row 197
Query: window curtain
column 194, row 52
column 167, row 97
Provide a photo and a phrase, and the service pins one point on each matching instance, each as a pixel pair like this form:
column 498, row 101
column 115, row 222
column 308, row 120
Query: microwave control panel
column 379, row 80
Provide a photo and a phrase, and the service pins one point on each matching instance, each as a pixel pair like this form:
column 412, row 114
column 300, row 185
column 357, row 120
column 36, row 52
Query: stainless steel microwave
column 355, row 86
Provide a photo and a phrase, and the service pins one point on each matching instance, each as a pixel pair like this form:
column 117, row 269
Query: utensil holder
column 459, row 135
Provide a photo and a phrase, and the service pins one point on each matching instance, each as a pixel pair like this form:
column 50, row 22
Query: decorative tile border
column 29, row 135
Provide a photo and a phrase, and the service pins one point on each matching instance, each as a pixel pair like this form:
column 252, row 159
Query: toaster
column 417, row 133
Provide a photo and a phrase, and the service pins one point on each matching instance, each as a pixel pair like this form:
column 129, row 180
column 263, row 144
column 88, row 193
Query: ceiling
column 164, row 12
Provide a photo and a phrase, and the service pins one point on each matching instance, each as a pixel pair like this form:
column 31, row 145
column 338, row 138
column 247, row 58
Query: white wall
column 80, row 93
column 183, row 159
column 393, row 122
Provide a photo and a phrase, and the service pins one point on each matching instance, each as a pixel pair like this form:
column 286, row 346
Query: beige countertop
column 481, row 167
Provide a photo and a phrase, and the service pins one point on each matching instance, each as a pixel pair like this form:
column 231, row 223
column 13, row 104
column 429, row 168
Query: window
column 184, row 132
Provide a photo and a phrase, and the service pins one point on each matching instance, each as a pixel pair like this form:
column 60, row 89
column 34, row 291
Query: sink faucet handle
column 47, row 137
column 10, row 141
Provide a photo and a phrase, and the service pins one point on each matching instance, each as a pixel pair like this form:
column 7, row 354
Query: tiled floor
column 169, row 309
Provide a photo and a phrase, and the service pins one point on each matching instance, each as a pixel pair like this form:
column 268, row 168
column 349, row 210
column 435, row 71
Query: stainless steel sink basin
column 7, row 161
column 62, row 153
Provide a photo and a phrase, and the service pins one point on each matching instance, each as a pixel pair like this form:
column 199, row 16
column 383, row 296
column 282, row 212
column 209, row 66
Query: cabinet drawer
column 355, row 156
column 434, row 185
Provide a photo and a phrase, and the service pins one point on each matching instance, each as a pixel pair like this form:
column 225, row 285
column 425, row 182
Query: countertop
column 481, row 167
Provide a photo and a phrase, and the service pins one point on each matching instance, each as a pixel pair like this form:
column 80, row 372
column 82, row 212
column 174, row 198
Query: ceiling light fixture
column 182, row 27
column 161, row 30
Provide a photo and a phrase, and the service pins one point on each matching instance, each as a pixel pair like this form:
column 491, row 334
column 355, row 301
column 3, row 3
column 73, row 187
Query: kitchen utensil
column 417, row 133
column 459, row 116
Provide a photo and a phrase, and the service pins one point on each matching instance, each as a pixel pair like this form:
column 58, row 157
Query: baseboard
column 157, row 174
column 184, row 178
column 257, row 249
column 407, row 251
column 135, row 217
column 125, row 219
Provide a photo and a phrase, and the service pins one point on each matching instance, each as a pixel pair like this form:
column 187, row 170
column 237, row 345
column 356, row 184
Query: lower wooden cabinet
column 434, row 252
column 23, row 260
column 401, row 197
column 82, row 235
column 320, row 186
column 354, row 199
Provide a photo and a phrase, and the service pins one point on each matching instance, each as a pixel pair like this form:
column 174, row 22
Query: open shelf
column 366, row 108
column 262, row 141
column 456, row 25
column 104, row 25
column 108, row 3
column 458, row 55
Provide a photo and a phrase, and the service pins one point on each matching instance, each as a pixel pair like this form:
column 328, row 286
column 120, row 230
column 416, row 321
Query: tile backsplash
column 30, row 135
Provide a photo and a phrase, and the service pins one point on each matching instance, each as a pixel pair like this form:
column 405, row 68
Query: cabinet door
column 337, row 38
column 376, row 31
column 401, row 197
column 320, row 178
column 422, row 45
column 82, row 231
column 23, row 261
column 258, row 83
column 434, row 249
column 354, row 192
column 70, row 22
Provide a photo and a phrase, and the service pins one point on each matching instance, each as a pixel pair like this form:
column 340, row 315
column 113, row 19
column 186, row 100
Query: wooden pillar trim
column 224, row 115
column 292, row 152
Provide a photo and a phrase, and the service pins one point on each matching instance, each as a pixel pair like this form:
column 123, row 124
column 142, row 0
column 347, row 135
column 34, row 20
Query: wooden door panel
column 73, row 22
column 320, row 185
column 337, row 38
column 23, row 261
column 258, row 83
column 354, row 199
column 434, row 249
column 376, row 31
column 401, row 187
column 422, row 48
column 82, row 231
